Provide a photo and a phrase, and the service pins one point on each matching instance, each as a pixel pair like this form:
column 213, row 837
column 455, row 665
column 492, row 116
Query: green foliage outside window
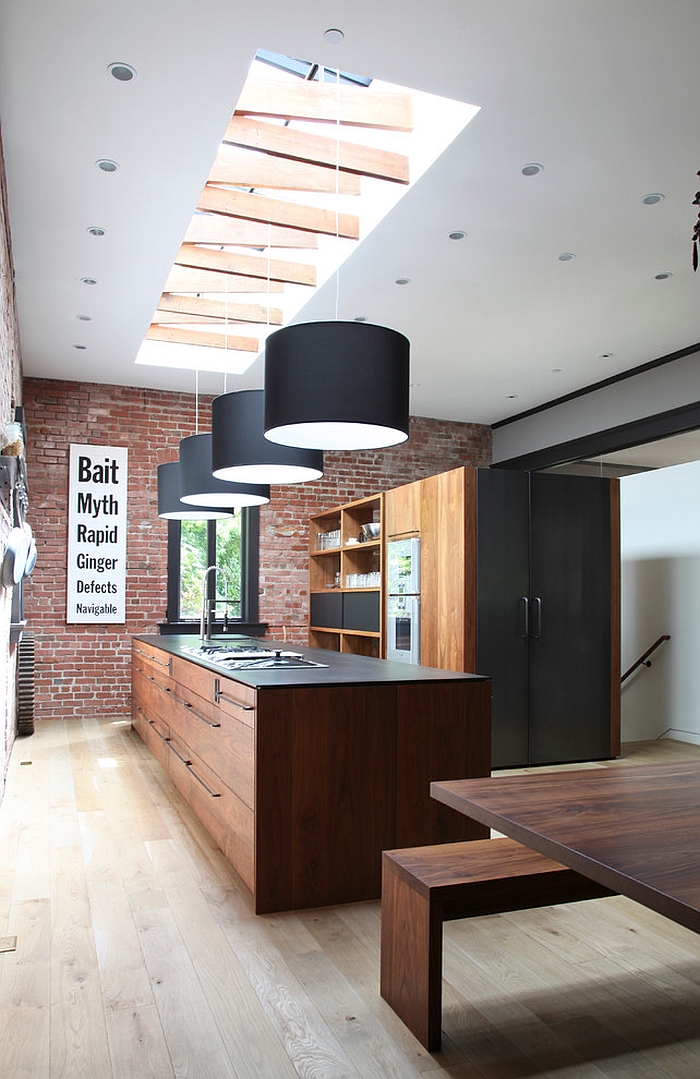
column 193, row 563
column 229, row 585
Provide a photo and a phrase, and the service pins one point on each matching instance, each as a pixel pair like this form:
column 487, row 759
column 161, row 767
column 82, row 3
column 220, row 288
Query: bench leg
column 411, row 957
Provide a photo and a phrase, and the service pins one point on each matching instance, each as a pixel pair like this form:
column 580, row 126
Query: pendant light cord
column 269, row 255
column 337, row 188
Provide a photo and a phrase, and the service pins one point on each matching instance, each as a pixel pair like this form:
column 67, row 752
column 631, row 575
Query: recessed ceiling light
column 95, row 230
column 80, row 347
column 106, row 165
column 333, row 35
column 457, row 234
column 605, row 355
column 556, row 370
column 89, row 280
column 360, row 318
column 566, row 256
column 651, row 200
column 84, row 318
column 413, row 385
column 511, row 396
column 122, row 72
column 403, row 280
column 532, row 169
column 662, row 276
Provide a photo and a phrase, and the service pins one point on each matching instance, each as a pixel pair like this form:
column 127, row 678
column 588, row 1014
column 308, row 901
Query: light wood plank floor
column 137, row 953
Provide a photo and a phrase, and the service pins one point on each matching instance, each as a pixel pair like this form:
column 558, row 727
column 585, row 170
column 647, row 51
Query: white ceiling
column 603, row 93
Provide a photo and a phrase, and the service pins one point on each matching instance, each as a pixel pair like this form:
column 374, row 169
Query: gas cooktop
column 242, row 655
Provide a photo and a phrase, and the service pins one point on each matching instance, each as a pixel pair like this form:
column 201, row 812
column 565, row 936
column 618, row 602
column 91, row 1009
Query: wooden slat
column 297, row 99
column 259, row 208
column 185, row 279
column 174, row 318
column 252, row 168
column 216, row 309
column 176, row 336
column 302, row 146
column 232, row 231
column 208, row 258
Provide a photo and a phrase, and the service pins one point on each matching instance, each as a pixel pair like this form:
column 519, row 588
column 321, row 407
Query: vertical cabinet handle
column 536, row 631
column 526, row 617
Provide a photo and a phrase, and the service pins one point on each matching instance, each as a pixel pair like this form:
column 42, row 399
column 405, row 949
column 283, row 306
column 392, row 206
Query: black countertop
column 339, row 668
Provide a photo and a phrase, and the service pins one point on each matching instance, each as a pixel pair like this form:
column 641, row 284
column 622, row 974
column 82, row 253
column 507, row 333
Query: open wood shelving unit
column 342, row 616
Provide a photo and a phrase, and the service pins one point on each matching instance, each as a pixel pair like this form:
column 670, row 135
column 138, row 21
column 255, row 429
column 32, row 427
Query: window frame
column 250, row 543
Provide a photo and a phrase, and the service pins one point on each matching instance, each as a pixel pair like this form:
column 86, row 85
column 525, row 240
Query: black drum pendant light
column 169, row 505
column 240, row 451
column 200, row 488
column 336, row 386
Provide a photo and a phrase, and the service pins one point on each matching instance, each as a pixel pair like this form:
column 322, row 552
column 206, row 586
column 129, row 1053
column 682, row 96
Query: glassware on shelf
column 363, row 580
column 327, row 540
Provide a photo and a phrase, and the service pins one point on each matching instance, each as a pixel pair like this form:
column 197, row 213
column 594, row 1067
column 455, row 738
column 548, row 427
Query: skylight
column 311, row 161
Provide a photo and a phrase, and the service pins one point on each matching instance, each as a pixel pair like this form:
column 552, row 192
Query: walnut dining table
column 633, row 828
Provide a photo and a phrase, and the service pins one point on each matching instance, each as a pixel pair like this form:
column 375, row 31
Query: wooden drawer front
column 226, row 818
column 154, row 732
column 224, row 744
column 151, row 661
column 153, row 697
column 217, row 690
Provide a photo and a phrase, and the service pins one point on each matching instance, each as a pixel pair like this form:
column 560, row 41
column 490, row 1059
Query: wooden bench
column 422, row 887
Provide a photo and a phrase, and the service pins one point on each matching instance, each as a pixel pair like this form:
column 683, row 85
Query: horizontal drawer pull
column 150, row 722
column 192, row 711
column 152, row 659
column 220, row 696
column 214, row 794
column 179, row 756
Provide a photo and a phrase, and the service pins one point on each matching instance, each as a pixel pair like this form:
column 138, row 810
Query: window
column 230, row 543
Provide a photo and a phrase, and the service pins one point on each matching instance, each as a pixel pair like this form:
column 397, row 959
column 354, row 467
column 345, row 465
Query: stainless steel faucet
column 209, row 607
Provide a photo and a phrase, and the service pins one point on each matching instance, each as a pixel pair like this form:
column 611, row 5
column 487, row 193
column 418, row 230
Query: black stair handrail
column 644, row 660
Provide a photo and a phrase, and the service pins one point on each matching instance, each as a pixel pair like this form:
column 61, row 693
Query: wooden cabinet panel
column 441, row 733
column 228, row 820
column 225, row 743
column 153, row 697
column 325, row 797
column 301, row 786
column 151, row 661
column 233, row 698
column 402, row 510
column 201, row 727
column 445, row 571
column 154, row 731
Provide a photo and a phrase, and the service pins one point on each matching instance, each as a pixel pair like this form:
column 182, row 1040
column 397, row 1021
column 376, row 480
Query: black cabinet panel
column 570, row 584
column 361, row 611
column 543, row 614
column 502, row 579
column 326, row 609
column 345, row 610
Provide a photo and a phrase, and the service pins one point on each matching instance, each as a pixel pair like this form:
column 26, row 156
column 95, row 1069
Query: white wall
column 660, row 514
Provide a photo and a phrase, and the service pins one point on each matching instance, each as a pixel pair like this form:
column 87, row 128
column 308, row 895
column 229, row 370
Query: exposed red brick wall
column 84, row 669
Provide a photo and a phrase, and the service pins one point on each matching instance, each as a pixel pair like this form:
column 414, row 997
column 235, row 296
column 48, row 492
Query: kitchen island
column 304, row 774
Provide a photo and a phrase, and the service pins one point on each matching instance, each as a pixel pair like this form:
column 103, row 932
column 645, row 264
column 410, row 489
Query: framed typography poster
column 97, row 494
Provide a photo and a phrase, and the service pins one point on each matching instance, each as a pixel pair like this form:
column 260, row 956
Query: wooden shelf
column 342, row 613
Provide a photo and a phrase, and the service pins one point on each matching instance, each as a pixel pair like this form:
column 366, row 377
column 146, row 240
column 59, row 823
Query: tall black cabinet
column 547, row 614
